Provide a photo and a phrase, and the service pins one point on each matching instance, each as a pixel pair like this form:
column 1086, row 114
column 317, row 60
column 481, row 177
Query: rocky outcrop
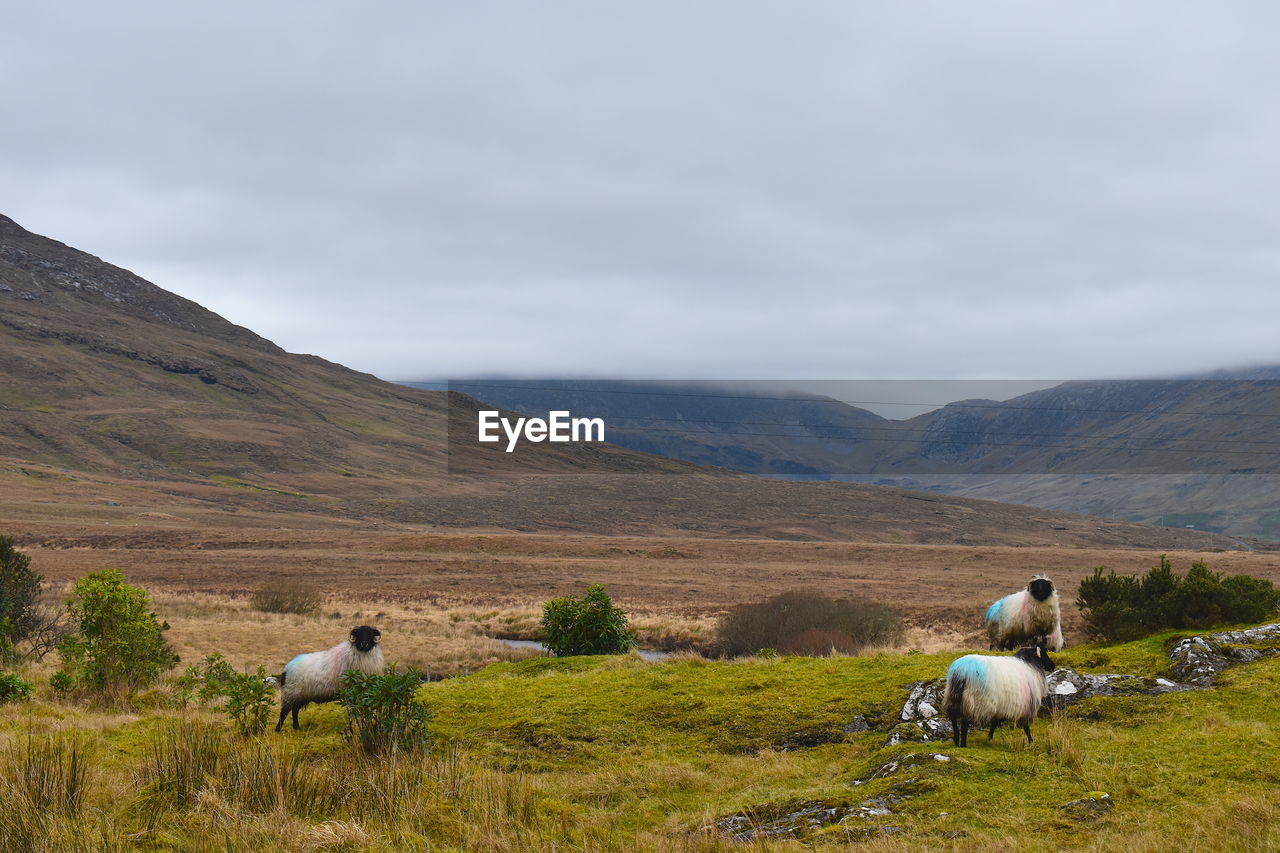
column 921, row 719
column 1066, row 686
column 1195, row 663
column 1198, row 660
column 799, row 819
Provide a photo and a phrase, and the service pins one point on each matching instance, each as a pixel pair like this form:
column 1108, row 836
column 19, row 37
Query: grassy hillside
column 117, row 393
column 619, row 754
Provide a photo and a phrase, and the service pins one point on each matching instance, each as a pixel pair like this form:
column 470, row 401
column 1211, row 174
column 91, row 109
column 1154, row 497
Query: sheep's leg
column 1027, row 728
column 295, row 718
column 964, row 731
column 284, row 710
column 955, row 730
column 991, row 734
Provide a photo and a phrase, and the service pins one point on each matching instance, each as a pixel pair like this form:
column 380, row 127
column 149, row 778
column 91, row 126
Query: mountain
column 124, row 404
column 1197, row 452
column 102, row 371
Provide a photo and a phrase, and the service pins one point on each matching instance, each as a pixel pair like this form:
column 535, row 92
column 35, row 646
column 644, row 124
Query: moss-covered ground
column 622, row 754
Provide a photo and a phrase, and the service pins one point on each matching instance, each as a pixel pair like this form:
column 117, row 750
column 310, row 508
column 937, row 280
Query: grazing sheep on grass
column 317, row 677
column 988, row 690
column 1023, row 616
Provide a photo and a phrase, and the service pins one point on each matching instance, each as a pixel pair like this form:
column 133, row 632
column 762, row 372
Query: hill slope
column 1199, row 451
column 109, row 383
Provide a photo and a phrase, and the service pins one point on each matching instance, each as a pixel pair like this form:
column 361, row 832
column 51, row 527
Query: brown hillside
column 121, row 403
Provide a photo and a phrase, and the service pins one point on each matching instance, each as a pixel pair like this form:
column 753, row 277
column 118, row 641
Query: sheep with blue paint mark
column 317, row 676
column 1023, row 616
column 987, row 690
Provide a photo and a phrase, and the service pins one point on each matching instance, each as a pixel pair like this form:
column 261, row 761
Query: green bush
column 807, row 623
column 1126, row 607
column 249, row 696
column 591, row 625
column 19, row 594
column 13, row 688
column 118, row 643
column 384, row 715
column 250, row 701
column 61, row 682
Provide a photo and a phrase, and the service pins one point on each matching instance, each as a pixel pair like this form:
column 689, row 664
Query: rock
column 919, row 716
column 800, row 819
column 1092, row 805
column 859, row 724
column 1066, row 686
column 1198, row 660
column 910, row 760
column 924, row 700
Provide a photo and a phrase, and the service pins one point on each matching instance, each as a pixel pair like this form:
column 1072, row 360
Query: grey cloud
column 726, row 189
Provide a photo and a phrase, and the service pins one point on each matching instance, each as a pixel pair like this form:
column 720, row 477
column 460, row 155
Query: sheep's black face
column 1037, row 656
column 365, row 638
column 1040, row 588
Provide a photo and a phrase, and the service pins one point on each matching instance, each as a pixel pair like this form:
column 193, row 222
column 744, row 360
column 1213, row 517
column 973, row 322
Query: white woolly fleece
column 1019, row 617
column 995, row 689
column 317, row 677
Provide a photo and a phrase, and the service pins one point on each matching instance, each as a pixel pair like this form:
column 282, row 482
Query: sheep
column 1025, row 615
column 317, row 676
column 987, row 690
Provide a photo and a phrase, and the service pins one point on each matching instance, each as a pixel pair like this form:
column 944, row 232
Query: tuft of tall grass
column 283, row 596
column 42, row 785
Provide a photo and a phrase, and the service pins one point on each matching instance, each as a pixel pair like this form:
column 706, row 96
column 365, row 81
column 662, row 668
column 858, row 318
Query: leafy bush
column 384, row 715
column 19, row 593
column 61, row 682
column 249, row 696
column 13, row 688
column 286, row 597
column 807, row 623
column 119, row 643
column 250, row 701
column 591, row 625
column 1125, row 607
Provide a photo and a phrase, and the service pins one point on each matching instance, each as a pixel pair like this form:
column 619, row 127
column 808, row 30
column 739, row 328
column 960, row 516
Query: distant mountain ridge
column 1077, row 446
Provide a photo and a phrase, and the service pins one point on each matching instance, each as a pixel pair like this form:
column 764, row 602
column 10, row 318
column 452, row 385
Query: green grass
column 614, row 753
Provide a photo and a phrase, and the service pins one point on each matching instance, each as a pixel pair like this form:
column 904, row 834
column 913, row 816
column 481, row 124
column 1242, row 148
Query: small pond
column 647, row 654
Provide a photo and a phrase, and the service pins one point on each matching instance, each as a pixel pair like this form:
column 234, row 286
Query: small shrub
column 13, row 688
column 384, row 715
column 250, row 701
column 1126, row 607
column 61, row 682
column 807, row 623
column 250, row 697
column 215, row 676
column 119, row 643
column 286, row 597
column 591, row 625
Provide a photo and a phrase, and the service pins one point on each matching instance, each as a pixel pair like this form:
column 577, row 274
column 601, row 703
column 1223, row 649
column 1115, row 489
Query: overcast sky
column 673, row 190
